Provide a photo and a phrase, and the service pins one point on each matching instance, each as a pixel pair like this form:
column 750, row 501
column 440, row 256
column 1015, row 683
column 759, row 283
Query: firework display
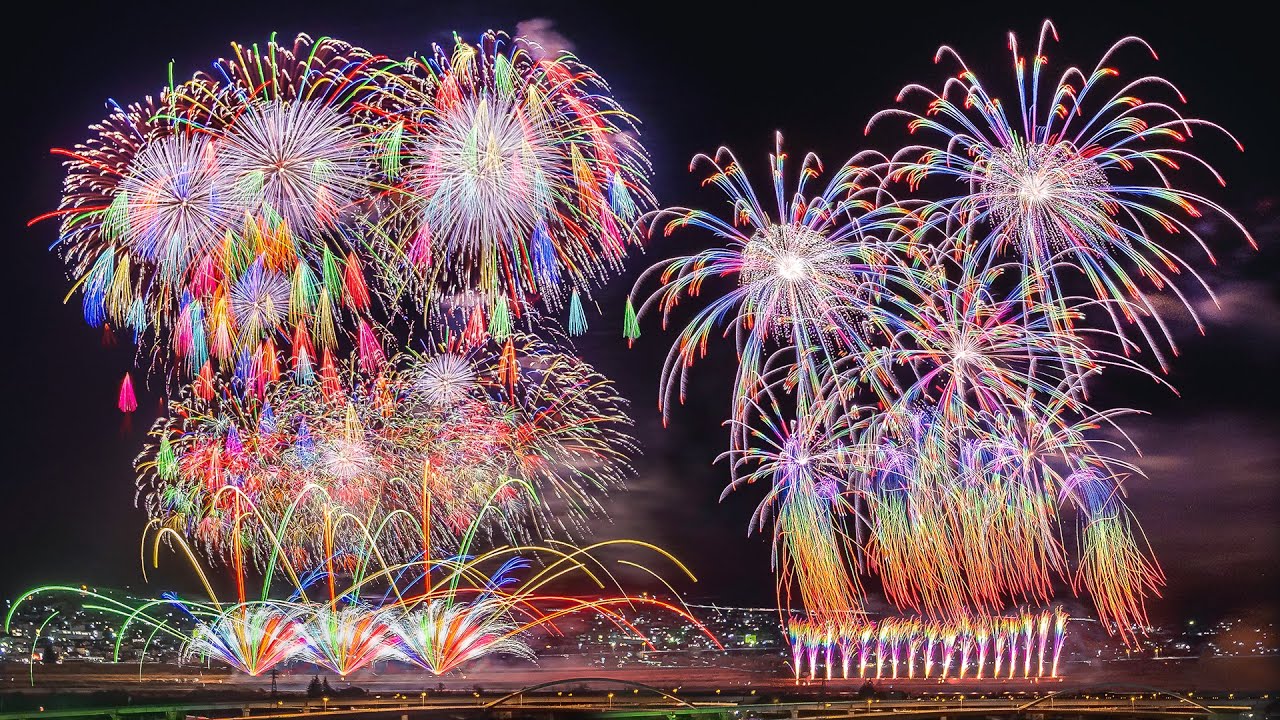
column 914, row 372
column 804, row 278
column 1027, row 645
column 341, row 270
column 1080, row 181
column 263, row 229
column 536, row 434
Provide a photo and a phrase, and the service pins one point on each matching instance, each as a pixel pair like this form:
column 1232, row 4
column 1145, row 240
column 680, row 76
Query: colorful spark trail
column 972, row 648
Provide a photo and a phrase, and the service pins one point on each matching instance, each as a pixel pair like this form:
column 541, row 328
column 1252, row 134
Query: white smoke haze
column 542, row 32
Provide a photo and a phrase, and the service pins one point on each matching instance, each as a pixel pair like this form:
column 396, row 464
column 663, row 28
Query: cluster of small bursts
column 1028, row 645
column 343, row 271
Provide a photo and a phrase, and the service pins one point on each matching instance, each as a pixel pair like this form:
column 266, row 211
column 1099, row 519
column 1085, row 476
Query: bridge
column 536, row 701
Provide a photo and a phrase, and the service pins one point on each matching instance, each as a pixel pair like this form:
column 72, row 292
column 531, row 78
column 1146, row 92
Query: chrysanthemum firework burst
column 517, row 177
column 140, row 200
column 983, row 342
column 174, row 205
column 445, row 379
column 303, row 160
column 1039, row 192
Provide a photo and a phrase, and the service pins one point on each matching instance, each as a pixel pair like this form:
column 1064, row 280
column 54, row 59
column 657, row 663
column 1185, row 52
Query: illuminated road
column 627, row 705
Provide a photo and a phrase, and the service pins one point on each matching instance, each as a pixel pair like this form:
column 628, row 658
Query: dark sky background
column 697, row 76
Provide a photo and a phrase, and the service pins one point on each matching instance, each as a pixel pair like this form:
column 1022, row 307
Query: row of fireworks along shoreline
column 346, row 273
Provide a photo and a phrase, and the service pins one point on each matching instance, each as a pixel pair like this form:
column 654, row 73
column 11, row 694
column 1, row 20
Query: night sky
column 696, row 77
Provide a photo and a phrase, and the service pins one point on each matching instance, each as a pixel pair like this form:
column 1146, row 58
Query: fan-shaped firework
column 345, row 638
column 440, row 636
column 253, row 639
column 517, row 177
column 466, row 607
column 533, row 431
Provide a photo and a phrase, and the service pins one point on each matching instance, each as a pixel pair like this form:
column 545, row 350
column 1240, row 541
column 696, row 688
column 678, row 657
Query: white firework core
column 1047, row 195
column 177, row 204
column 301, row 160
column 346, row 459
column 483, row 177
column 446, row 380
column 965, row 349
column 792, row 272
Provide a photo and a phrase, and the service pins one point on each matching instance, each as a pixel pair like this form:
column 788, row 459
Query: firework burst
column 516, row 177
column 805, row 278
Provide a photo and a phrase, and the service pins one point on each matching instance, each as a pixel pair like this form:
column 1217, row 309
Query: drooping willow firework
column 1028, row 645
column 515, row 178
column 965, row 518
column 1074, row 178
column 914, row 373
column 436, row 614
column 221, row 218
column 953, row 513
column 804, row 465
column 523, row 426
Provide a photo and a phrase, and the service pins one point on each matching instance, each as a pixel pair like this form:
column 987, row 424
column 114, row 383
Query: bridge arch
column 1109, row 687
column 567, row 681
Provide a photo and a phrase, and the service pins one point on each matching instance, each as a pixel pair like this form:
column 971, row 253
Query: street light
column 424, row 699
column 326, row 703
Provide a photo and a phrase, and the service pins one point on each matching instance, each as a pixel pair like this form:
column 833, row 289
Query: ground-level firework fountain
column 1027, row 645
column 356, row 607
